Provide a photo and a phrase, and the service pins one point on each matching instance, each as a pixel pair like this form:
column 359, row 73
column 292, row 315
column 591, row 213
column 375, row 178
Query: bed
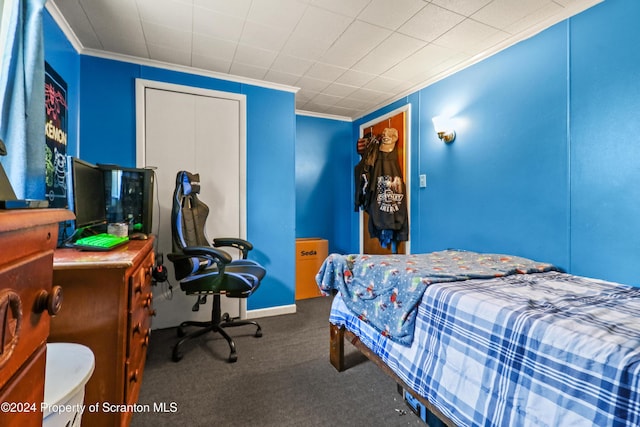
column 491, row 339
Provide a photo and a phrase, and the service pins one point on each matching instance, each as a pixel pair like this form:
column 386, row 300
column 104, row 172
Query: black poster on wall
column 55, row 130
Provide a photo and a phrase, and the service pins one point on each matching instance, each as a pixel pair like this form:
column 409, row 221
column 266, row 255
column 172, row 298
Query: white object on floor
column 69, row 367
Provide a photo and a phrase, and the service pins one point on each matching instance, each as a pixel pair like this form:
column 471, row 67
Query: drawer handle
column 10, row 332
column 148, row 301
column 50, row 301
column 133, row 378
column 145, row 340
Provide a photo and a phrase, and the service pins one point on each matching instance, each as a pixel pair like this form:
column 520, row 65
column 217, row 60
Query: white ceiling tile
column 160, row 35
column 170, row 55
column 263, row 36
column 356, row 41
column 216, row 24
column 283, row 14
column 430, row 23
column 352, row 103
column 326, row 99
column 355, row 78
column 321, row 24
column 281, row 77
column 390, row 14
column 291, row 64
column 502, row 13
column 471, row 36
column 346, row 112
column 345, row 7
column 304, row 47
column 126, row 46
column 249, row 71
column 214, row 48
column 210, row 63
column 256, row 57
column 388, row 53
column 325, row 71
column 383, row 84
column 309, row 83
column 429, row 56
column 319, row 108
column 109, row 11
column 368, row 95
column 440, row 68
column 237, row 8
column 171, row 13
column 463, row 7
column 547, row 12
column 340, row 90
column 125, row 27
column 305, row 95
column 74, row 12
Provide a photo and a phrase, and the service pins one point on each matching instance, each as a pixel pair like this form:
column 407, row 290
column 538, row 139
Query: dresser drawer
column 24, row 320
column 141, row 281
column 23, row 394
column 139, row 342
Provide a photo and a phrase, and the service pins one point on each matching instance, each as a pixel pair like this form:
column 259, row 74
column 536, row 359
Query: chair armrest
column 208, row 252
column 234, row 242
column 189, row 261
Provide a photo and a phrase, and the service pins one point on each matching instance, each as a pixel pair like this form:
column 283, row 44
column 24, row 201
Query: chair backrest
column 189, row 213
column 188, row 219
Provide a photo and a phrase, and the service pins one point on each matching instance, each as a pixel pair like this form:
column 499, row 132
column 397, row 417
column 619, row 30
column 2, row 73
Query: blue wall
column 324, row 198
column 545, row 163
column 106, row 116
column 604, row 145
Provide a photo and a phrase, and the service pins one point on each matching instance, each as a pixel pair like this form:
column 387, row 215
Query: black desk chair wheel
column 203, row 269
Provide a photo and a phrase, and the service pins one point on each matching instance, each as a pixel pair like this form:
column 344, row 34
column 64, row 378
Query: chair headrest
column 190, row 182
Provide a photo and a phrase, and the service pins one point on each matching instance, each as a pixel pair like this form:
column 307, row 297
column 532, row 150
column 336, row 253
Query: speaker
column 159, row 272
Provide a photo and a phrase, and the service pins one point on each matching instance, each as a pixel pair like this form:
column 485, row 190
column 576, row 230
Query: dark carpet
column 283, row 378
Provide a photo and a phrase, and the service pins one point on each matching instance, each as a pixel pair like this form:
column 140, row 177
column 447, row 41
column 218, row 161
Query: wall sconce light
column 442, row 125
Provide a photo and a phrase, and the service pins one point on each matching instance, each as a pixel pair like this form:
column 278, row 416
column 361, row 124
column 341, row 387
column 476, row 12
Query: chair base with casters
column 217, row 324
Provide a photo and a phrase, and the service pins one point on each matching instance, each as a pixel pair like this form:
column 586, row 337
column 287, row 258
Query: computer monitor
column 129, row 196
column 86, row 196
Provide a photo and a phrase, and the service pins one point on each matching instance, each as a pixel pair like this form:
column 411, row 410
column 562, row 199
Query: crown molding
column 323, row 116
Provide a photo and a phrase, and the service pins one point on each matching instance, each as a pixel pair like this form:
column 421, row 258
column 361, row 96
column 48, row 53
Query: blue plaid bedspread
column 384, row 290
column 548, row 349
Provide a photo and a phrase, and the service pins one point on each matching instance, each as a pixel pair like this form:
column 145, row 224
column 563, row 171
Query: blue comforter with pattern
column 384, row 290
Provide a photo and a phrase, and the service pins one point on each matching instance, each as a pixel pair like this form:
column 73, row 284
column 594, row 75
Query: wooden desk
column 107, row 307
column 27, row 241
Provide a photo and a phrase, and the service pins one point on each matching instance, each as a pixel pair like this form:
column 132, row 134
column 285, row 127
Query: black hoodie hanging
column 388, row 216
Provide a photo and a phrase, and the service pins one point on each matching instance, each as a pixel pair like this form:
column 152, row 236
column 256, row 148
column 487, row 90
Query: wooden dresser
column 107, row 307
column 27, row 300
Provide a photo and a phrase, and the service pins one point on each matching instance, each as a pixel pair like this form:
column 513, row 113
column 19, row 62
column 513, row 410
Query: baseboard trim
column 271, row 311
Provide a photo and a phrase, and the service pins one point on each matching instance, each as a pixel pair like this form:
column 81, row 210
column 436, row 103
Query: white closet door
column 199, row 134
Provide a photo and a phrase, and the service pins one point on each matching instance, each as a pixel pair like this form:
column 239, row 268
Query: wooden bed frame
column 336, row 357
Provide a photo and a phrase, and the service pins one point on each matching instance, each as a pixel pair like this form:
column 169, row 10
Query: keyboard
column 100, row 242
